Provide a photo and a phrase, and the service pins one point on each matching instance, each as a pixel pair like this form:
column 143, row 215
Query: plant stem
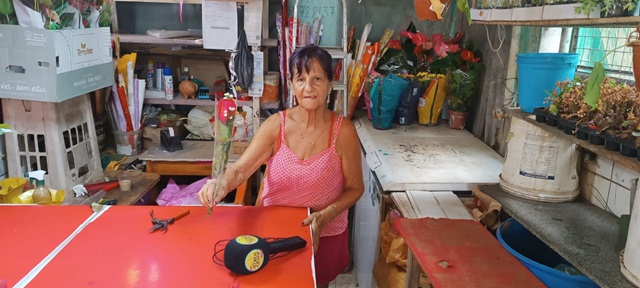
column 614, row 49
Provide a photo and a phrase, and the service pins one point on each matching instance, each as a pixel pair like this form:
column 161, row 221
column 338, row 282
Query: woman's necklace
column 311, row 143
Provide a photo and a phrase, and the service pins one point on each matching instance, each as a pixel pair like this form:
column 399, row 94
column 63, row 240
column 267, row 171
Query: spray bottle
column 40, row 193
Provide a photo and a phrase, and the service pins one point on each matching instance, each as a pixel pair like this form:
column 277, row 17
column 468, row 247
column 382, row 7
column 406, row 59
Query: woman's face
column 312, row 87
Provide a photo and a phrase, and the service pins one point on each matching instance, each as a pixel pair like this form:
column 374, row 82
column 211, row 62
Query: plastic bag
column 180, row 195
column 431, row 102
column 385, row 97
column 407, row 111
column 243, row 62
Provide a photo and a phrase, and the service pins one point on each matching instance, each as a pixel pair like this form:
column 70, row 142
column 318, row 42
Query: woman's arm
column 348, row 148
column 259, row 150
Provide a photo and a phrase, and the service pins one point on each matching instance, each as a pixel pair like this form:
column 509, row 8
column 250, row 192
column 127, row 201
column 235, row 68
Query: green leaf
column 592, row 92
column 463, row 5
column 6, row 7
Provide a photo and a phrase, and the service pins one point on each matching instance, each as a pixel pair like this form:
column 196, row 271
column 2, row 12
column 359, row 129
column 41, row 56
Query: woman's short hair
column 301, row 59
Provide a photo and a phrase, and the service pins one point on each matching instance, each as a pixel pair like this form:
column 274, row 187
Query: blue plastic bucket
column 538, row 257
column 538, row 74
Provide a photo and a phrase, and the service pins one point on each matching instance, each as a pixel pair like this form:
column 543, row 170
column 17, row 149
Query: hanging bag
column 243, row 62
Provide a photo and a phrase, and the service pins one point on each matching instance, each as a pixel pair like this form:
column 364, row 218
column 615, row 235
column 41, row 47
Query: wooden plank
column 178, row 1
column 462, row 253
column 141, row 184
column 629, row 162
column 425, row 204
column 148, row 39
column 404, row 205
column 451, row 205
column 413, row 271
column 624, row 21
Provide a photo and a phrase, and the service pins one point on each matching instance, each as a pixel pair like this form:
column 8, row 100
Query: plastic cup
column 125, row 182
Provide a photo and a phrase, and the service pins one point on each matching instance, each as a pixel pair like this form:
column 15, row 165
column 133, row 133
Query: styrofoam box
column 480, row 14
column 527, row 13
column 500, row 15
column 567, row 11
column 57, row 137
column 53, row 65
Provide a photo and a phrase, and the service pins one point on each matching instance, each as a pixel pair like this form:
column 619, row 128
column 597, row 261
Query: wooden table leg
column 413, row 271
column 150, row 166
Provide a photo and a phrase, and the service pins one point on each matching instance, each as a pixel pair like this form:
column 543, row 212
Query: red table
column 116, row 249
column 462, row 253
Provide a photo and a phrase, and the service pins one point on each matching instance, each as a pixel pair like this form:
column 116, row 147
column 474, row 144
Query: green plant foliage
column 462, row 87
column 463, row 5
column 592, row 94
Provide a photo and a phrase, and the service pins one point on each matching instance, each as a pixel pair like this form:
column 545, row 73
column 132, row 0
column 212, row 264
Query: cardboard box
column 480, row 14
column 567, row 11
column 527, row 13
column 53, row 65
column 500, row 15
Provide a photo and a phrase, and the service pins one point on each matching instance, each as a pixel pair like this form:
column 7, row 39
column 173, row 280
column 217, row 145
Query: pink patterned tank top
column 315, row 182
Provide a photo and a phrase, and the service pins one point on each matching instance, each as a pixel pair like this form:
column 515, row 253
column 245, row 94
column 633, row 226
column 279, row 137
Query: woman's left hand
column 317, row 221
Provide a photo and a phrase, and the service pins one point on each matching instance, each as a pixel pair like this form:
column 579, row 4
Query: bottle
column 40, row 193
column 160, row 76
column 150, row 71
column 185, row 74
column 168, row 83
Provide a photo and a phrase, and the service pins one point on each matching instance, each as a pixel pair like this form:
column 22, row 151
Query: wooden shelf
column 582, row 233
column 183, row 41
column 154, row 96
column 184, row 1
column 629, row 162
column 617, row 21
column 147, row 39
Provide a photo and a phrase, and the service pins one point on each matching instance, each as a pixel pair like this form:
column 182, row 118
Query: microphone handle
column 287, row 244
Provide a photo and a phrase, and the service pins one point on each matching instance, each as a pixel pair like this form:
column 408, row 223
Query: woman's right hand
column 207, row 194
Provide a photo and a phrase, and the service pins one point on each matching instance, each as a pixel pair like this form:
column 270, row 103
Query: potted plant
column 608, row 8
column 462, row 86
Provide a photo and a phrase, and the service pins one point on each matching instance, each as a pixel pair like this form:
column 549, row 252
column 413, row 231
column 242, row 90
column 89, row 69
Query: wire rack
column 593, row 43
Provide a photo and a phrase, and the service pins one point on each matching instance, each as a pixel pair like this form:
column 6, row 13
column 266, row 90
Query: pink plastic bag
column 179, row 195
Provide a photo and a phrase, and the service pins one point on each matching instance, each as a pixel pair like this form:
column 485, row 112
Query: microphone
column 248, row 254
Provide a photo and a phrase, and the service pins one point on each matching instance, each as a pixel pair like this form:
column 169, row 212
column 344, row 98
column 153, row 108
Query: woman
column 313, row 160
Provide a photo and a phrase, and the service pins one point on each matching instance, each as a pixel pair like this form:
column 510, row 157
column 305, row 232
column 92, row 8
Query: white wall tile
column 586, row 182
column 602, row 166
column 619, row 200
column 599, row 191
column 623, row 175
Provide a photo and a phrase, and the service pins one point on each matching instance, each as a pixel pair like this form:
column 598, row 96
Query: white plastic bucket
column 630, row 256
column 539, row 165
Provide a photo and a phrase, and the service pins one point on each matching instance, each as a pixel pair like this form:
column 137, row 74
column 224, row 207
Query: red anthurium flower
column 454, row 48
column 437, row 38
column 395, row 44
column 466, row 55
column 406, row 34
column 417, row 38
column 457, row 39
column 441, row 49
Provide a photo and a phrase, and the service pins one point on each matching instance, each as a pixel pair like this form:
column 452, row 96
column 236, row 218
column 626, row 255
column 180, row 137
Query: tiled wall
column 607, row 184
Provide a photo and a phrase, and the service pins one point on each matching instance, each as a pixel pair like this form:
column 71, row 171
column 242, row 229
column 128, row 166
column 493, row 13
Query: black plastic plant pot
column 582, row 132
column 611, row 144
column 551, row 121
column 569, row 126
column 596, row 139
column 541, row 114
column 628, row 147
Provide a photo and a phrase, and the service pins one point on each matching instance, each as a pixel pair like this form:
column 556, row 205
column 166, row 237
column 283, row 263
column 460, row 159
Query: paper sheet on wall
column 219, row 25
column 253, row 22
column 257, row 86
